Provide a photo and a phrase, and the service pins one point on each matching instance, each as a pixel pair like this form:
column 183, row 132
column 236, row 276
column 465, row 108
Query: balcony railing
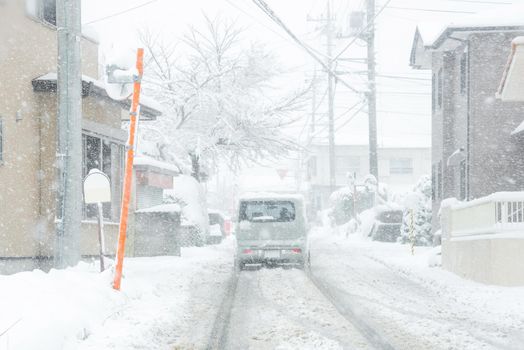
column 501, row 212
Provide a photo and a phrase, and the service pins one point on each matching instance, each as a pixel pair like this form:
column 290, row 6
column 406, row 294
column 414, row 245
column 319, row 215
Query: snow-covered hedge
column 417, row 214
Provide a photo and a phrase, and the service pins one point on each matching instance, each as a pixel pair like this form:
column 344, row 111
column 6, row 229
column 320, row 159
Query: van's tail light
column 247, row 251
column 296, row 250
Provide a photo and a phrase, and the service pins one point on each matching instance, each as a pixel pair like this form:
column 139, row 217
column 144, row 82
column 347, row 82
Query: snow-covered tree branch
column 220, row 97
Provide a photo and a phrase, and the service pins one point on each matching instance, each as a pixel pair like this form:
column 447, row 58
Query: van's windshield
column 267, row 211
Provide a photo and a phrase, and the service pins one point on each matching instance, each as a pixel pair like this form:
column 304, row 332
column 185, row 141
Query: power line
column 357, row 36
column 267, row 10
column 256, row 20
column 482, row 2
column 121, row 12
column 428, row 10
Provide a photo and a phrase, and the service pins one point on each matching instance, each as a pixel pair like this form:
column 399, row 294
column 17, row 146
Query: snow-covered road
column 282, row 309
column 357, row 295
column 408, row 311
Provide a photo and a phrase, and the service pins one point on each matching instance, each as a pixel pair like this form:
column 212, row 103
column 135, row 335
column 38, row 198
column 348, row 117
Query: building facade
column 399, row 168
column 473, row 150
column 28, row 137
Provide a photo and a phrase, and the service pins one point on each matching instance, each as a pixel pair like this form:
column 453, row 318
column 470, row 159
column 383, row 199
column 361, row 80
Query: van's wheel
column 239, row 266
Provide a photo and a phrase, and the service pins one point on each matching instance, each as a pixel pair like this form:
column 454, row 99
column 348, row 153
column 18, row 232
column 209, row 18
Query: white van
column 272, row 230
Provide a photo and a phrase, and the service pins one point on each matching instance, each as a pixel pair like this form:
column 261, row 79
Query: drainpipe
column 468, row 118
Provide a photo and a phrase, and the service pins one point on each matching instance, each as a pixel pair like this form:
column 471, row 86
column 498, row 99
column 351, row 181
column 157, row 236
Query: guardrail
column 500, row 212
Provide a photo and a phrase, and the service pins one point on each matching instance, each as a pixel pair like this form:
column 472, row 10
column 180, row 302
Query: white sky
column 404, row 105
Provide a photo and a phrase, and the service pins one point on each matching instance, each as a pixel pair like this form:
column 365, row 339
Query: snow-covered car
column 216, row 226
column 272, row 230
column 386, row 225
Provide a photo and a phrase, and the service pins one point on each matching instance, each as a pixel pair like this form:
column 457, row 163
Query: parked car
column 272, row 230
column 217, row 230
column 387, row 224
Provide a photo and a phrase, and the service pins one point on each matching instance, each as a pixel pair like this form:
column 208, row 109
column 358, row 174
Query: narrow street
column 350, row 300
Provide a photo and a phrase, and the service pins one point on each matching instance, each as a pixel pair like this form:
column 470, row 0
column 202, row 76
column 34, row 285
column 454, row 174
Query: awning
column 149, row 109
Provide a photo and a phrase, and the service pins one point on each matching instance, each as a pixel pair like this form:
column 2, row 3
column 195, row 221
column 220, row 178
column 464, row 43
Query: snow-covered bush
column 417, row 214
column 341, row 202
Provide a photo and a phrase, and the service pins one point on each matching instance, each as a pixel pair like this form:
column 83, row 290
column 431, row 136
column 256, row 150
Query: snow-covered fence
column 500, row 212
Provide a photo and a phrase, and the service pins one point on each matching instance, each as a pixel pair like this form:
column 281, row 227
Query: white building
column 399, row 168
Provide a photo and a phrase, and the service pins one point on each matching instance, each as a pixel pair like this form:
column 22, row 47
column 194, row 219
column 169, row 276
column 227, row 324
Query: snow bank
column 187, row 189
column 77, row 308
column 54, row 307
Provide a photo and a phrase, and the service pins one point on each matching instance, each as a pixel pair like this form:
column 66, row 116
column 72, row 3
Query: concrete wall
column 491, row 261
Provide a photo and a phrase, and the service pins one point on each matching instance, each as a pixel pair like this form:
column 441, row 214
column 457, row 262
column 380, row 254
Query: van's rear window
column 267, row 211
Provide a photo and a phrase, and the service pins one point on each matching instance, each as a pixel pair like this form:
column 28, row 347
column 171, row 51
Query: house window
column 440, row 88
column 463, row 73
column 48, row 11
column 108, row 157
column 401, row 166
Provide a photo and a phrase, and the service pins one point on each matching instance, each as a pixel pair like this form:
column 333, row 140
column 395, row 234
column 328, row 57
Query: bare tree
column 220, row 99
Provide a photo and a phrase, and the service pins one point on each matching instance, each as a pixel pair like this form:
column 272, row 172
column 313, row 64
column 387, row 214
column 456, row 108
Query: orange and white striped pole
column 128, row 178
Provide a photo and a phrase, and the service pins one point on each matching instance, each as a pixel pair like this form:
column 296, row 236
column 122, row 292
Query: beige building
column 28, row 137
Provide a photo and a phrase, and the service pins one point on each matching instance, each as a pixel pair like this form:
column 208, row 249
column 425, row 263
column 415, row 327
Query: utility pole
column 69, row 132
column 372, row 93
column 328, row 32
column 331, row 120
column 313, row 105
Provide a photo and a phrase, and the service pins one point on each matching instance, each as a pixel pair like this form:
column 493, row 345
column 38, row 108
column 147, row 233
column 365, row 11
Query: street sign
column 97, row 188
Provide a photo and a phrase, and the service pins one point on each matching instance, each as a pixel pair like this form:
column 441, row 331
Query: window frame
column 42, row 12
column 399, row 170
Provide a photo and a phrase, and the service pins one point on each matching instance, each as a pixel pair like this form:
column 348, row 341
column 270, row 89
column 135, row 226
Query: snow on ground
column 76, row 308
column 413, row 304
column 282, row 309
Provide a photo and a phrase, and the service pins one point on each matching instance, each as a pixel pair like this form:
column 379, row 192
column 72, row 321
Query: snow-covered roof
column 149, row 109
column 433, row 35
column 502, row 18
column 146, row 161
column 162, row 208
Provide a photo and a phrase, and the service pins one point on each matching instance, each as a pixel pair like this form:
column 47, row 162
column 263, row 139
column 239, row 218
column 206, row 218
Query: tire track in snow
column 374, row 338
column 218, row 338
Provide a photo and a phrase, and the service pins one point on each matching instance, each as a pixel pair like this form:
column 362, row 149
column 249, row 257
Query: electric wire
column 120, row 13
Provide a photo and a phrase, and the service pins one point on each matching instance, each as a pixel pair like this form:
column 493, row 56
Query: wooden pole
column 128, row 178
